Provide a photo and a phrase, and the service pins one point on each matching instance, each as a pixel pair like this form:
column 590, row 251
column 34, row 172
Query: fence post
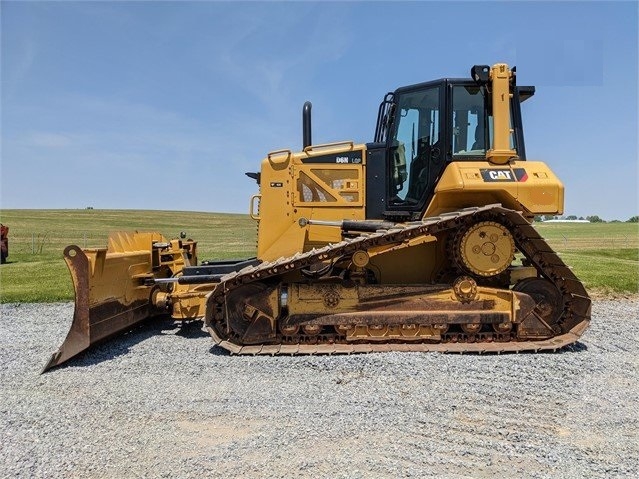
column 32, row 243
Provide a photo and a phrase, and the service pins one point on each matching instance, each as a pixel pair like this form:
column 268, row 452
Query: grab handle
column 252, row 208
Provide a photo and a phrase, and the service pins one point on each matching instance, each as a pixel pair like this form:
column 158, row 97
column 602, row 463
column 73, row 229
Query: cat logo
column 500, row 174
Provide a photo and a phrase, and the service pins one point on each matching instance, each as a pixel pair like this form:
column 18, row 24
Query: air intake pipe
column 306, row 124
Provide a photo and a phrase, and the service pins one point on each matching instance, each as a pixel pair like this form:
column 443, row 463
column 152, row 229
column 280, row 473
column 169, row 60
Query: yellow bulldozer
column 418, row 241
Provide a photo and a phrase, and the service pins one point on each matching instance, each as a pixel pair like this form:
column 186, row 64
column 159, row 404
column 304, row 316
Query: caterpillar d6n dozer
column 418, row 241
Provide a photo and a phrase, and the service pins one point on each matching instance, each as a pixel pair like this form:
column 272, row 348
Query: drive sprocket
column 485, row 249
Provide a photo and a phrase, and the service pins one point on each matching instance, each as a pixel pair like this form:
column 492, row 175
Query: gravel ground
column 163, row 402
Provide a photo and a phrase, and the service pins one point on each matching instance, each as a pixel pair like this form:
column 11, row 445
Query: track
column 574, row 302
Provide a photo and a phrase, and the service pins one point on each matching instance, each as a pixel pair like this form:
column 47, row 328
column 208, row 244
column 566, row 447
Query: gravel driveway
column 163, row 402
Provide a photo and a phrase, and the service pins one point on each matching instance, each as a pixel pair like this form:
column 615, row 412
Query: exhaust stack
column 306, row 125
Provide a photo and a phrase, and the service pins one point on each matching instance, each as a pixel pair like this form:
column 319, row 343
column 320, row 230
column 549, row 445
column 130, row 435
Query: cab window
column 471, row 126
column 415, row 142
column 472, row 123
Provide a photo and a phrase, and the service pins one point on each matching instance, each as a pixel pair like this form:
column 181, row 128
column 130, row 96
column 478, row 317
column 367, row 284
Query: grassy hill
column 604, row 255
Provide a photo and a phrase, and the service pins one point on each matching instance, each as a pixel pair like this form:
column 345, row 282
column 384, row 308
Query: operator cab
column 423, row 127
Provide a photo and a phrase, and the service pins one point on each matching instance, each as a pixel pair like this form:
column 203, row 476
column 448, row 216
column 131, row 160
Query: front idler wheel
column 548, row 302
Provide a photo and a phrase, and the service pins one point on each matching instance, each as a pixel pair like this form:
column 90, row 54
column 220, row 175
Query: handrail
column 325, row 146
column 279, row 153
column 252, row 214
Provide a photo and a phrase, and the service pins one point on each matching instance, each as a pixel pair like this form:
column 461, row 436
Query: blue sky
column 165, row 105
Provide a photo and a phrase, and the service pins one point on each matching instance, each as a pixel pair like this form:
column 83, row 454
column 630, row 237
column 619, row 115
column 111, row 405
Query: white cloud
column 17, row 66
column 49, row 139
column 130, row 155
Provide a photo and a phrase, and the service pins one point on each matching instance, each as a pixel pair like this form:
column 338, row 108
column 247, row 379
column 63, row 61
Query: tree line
column 592, row 219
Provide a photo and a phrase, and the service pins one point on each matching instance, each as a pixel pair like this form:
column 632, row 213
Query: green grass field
column 605, row 256
column 36, row 272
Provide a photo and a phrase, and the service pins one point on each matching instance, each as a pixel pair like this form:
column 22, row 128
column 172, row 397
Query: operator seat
column 480, row 137
column 419, row 170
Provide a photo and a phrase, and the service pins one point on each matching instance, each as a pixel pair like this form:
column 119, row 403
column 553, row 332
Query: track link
column 575, row 303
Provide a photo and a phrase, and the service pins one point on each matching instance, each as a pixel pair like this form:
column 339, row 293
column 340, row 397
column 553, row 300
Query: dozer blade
column 110, row 291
